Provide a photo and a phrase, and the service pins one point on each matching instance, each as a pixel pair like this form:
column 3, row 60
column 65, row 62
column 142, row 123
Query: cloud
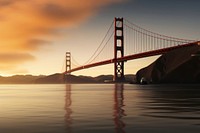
column 28, row 25
column 15, row 58
column 5, row 2
column 10, row 61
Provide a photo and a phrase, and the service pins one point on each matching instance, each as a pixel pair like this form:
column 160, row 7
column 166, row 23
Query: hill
column 177, row 66
column 58, row 78
column 19, row 79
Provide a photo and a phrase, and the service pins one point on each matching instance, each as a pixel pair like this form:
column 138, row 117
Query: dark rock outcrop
column 181, row 65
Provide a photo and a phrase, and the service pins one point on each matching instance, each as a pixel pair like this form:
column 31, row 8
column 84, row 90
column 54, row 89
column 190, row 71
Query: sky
column 35, row 34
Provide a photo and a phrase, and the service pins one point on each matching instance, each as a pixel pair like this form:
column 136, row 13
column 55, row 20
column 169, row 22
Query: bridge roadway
column 131, row 57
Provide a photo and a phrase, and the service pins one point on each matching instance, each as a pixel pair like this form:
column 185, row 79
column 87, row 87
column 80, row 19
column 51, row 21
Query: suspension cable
column 102, row 48
column 92, row 57
column 168, row 37
column 75, row 62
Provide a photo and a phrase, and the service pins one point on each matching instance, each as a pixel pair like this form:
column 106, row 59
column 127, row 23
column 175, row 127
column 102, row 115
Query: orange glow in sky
column 35, row 34
column 29, row 27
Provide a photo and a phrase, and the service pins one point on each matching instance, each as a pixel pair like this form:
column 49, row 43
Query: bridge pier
column 119, row 50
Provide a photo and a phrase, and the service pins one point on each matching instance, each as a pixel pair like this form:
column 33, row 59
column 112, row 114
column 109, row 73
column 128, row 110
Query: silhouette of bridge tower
column 68, row 62
column 118, row 50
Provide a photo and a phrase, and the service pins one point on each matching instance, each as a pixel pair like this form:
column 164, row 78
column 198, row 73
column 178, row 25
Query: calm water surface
column 99, row 108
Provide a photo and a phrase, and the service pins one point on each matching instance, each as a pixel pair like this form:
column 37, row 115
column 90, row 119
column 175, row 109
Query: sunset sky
column 35, row 34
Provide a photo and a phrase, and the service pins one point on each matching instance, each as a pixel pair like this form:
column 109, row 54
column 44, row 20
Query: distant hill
column 19, row 79
column 177, row 66
column 51, row 79
column 58, row 78
column 104, row 78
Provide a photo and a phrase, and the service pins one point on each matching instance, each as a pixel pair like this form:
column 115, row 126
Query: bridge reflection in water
column 68, row 110
column 118, row 111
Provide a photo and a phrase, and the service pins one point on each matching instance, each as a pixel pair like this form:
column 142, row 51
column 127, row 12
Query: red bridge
column 139, row 42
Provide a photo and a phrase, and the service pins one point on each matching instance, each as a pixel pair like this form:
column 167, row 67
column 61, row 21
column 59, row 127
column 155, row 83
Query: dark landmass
column 19, row 79
column 59, row 78
column 177, row 66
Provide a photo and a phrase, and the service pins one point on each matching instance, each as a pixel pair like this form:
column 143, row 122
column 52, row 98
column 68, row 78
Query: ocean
column 99, row 108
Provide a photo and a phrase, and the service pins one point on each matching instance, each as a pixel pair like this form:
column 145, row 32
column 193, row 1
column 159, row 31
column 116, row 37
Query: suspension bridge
column 139, row 42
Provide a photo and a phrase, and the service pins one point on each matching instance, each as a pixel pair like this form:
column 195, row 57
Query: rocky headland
column 181, row 65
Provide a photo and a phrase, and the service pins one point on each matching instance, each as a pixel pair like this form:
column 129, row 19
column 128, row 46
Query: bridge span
column 146, row 42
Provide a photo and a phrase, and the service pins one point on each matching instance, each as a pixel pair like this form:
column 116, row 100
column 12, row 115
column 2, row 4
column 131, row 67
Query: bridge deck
column 131, row 57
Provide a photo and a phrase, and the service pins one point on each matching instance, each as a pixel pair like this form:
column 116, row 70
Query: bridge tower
column 119, row 50
column 68, row 62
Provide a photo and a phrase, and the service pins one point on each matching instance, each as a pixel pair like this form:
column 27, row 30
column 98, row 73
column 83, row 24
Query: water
column 99, row 108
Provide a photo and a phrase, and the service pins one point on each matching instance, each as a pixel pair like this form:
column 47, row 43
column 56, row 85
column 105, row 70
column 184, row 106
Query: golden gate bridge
column 139, row 42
